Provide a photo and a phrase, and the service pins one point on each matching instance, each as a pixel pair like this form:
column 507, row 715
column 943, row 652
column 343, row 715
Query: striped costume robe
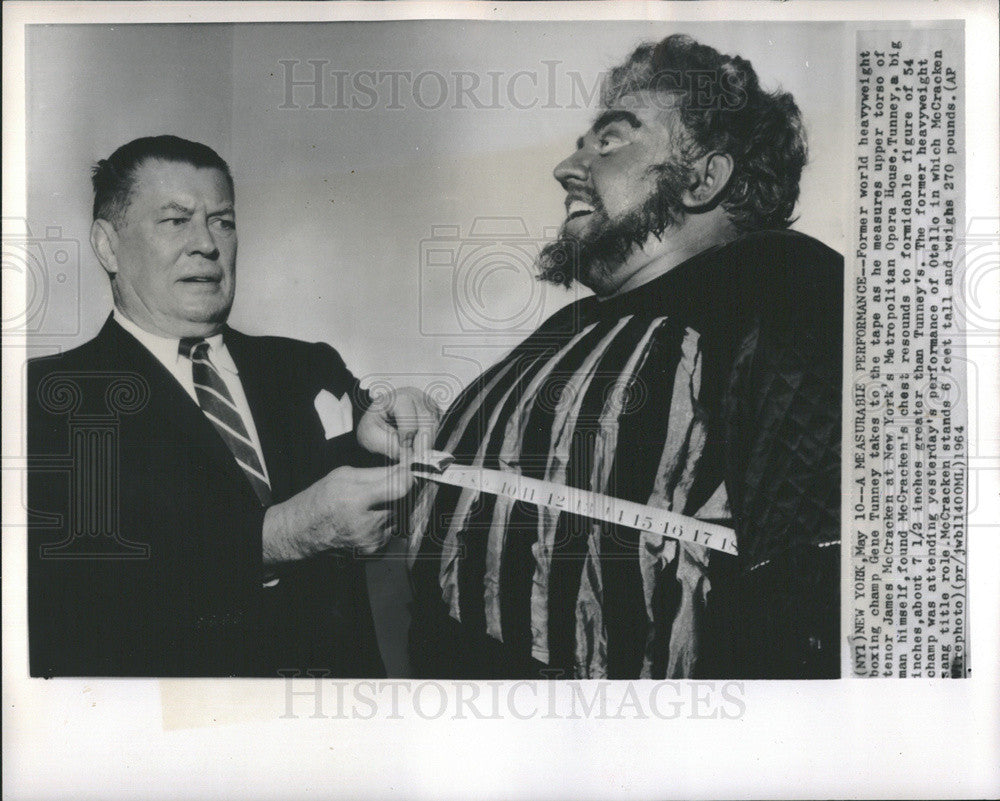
column 714, row 390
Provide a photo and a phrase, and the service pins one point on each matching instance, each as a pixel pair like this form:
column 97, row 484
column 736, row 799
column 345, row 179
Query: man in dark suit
column 189, row 516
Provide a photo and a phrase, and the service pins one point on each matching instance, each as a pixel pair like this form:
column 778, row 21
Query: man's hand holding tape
column 349, row 508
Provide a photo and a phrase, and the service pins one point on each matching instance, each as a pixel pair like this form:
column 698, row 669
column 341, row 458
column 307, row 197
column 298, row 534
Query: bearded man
column 703, row 377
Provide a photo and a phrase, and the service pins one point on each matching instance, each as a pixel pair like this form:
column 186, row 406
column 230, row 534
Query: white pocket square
column 335, row 413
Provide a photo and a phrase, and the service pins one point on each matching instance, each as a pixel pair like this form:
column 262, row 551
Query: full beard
column 593, row 256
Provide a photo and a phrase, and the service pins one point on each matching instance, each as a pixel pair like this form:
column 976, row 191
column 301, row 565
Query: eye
column 226, row 225
column 607, row 141
column 176, row 222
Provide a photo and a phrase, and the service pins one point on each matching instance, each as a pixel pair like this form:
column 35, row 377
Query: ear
column 104, row 241
column 710, row 175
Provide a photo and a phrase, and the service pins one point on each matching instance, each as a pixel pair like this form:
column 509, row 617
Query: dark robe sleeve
column 783, row 474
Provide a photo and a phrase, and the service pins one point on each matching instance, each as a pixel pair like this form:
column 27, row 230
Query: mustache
column 582, row 195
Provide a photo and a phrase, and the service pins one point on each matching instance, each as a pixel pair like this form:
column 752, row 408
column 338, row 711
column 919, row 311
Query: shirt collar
column 167, row 349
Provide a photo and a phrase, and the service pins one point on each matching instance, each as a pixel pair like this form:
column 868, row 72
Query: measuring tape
column 440, row 467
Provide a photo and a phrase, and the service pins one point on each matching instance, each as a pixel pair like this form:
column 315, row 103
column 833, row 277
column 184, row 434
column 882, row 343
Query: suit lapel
column 168, row 399
column 264, row 397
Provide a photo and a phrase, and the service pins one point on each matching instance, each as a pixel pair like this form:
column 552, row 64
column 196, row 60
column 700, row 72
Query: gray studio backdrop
column 393, row 179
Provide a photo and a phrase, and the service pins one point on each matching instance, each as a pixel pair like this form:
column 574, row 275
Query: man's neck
column 127, row 322
column 147, row 325
column 659, row 256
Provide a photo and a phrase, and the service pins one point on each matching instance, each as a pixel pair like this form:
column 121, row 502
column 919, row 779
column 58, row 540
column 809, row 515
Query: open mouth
column 577, row 208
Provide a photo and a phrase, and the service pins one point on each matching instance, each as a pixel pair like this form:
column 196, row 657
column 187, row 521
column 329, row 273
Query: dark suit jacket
column 145, row 536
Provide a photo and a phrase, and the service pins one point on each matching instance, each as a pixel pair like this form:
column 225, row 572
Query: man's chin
column 205, row 316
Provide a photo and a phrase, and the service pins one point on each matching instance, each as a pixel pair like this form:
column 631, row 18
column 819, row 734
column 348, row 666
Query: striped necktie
column 219, row 407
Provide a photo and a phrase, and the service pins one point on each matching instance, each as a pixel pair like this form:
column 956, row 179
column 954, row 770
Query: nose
column 202, row 242
column 576, row 166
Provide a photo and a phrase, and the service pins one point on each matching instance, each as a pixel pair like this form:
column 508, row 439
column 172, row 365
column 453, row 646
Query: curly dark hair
column 721, row 106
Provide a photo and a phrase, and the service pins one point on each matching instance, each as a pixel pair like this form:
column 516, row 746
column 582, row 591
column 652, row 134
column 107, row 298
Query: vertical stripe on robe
column 420, row 516
column 509, row 458
column 564, row 424
column 683, row 449
column 450, row 547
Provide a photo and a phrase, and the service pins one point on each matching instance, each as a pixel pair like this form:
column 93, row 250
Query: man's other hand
column 346, row 511
column 399, row 422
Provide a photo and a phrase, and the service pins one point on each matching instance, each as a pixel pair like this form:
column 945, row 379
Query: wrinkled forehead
column 156, row 178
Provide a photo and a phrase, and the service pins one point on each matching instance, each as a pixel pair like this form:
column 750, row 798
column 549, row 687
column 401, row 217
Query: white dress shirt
column 167, row 352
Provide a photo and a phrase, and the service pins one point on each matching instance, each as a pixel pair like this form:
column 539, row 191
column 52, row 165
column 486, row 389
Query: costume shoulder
column 569, row 318
column 301, row 366
column 791, row 280
column 780, row 281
